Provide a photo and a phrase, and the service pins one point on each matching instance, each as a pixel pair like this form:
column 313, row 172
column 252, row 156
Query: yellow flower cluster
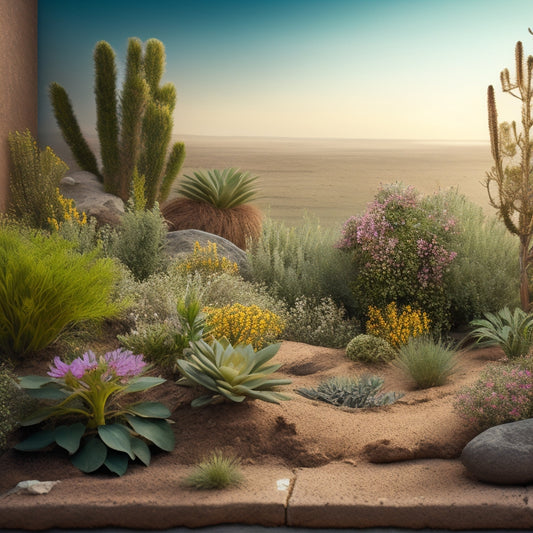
column 68, row 212
column 394, row 326
column 206, row 260
column 242, row 324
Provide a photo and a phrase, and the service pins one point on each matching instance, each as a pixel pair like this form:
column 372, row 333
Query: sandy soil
column 299, row 432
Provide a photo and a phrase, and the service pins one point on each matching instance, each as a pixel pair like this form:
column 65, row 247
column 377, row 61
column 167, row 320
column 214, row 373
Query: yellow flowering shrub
column 242, row 324
column 397, row 326
column 205, row 259
column 67, row 212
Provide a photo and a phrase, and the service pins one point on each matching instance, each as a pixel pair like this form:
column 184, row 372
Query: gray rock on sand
column 89, row 196
column 181, row 243
column 502, row 454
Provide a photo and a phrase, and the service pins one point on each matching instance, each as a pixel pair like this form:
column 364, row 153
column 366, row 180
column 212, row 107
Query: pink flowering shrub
column 501, row 394
column 401, row 250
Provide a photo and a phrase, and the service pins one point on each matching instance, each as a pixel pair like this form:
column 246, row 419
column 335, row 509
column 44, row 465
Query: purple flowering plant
column 107, row 431
column 401, row 249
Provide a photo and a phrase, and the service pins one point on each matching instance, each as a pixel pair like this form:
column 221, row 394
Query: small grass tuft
column 216, row 471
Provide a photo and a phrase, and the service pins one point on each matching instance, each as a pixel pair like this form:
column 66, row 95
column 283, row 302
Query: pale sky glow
column 391, row 69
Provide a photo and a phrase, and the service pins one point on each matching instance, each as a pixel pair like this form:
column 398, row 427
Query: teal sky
column 391, row 69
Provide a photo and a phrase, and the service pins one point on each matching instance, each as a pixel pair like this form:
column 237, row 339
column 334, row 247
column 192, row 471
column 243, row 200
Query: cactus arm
column 174, row 162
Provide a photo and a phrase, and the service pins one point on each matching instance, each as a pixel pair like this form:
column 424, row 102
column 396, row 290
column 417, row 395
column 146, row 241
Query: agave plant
column 512, row 331
column 222, row 188
column 353, row 392
column 232, row 372
column 217, row 201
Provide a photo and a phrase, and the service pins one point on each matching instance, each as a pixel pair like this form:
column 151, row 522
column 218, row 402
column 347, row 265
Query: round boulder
column 182, row 243
column 502, row 454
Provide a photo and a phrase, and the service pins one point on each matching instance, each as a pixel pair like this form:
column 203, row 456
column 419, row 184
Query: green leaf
column 38, row 416
column 37, row 441
column 141, row 450
column 149, row 410
column 116, row 437
column 34, row 382
column 143, row 383
column 48, row 393
column 117, row 462
column 203, row 401
column 91, row 456
column 69, row 437
column 155, row 430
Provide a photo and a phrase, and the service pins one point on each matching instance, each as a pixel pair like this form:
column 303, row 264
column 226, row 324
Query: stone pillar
column 18, row 78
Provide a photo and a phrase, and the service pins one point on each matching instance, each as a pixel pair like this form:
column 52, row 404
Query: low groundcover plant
column 92, row 388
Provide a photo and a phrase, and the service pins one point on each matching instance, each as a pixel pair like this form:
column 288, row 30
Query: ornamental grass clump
column 353, row 392
column 217, row 201
column 503, row 393
column 427, row 363
column 512, row 331
column 397, row 326
column 45, row 287
column 216, row 471
column 232, row 372
column 244, row 324
column 205, row 259
column 402, row 232
column 110, row 432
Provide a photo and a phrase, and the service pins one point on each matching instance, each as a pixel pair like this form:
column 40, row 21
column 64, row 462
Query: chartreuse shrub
column 427, row 362
column 319, row 322
column 353, row 392
column 400, row 232
column 67, row 213
column 502, row 393
column 242, row 324
column 216, row 471
column 512, row 331
column 296, row 262
column 397, row 326
column 45, row 287
column 232, row 372
column 34, row 183
column 109, row 432
column 205, row 259
column 370, row 349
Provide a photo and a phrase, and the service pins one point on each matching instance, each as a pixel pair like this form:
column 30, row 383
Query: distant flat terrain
column 333, row 179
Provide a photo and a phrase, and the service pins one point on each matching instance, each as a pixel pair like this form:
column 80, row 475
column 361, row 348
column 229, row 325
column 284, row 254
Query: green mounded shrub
column 45, row 287
column 426, row 362
column 14, row 405
column 484, row 276
column 320, row 323
column 216, row 471
column 370, row 349
column 34, row 181
column 512, row 331
column 354, row 392
column 139, row 242
column 301, row 261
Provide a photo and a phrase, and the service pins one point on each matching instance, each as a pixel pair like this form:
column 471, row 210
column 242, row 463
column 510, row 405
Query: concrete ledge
column 419, row 494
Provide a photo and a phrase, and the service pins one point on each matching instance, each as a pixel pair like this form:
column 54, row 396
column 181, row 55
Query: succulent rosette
column 110, row 432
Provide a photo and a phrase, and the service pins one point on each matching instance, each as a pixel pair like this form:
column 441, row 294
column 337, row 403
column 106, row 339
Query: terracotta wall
column 18, row 78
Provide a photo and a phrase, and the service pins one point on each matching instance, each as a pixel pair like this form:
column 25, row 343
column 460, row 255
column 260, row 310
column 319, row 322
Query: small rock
column 32, row 486
column 502, row 454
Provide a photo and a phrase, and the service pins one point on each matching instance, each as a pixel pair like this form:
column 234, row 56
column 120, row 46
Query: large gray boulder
column 89, row 196
column 502, row 454
column 181, row 243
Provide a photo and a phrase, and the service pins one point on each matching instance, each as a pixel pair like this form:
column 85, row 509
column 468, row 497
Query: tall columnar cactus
column 140, row 138
column 509, row 183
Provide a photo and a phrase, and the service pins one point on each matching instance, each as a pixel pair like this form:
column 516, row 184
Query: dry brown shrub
column 236, row 224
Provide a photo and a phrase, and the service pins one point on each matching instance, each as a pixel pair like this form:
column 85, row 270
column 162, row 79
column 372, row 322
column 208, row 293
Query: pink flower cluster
column 119, row 362
column 434, row 260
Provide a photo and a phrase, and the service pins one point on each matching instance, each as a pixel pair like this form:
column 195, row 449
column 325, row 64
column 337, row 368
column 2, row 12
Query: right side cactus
column 141, row 138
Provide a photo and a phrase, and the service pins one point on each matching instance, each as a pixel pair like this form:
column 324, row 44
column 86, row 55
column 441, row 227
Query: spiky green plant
column 216, row 471
column 232, row 372
column 143, row 136
column 511, row 331
column 354, row 392
column 221, row 188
